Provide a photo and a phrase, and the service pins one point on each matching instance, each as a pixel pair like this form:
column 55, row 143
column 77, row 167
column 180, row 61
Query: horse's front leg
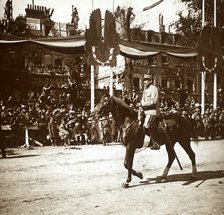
column 128, row 163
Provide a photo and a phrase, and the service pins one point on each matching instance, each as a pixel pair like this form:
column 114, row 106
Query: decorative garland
column 206, row 68
column 100, row 62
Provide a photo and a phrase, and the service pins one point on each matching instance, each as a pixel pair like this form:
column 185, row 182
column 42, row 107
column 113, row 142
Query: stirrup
column 155, row 146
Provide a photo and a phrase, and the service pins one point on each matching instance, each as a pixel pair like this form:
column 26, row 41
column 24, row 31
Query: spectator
column 94, row 132
column 105, row 131
column 206, row 125
column 221, row 124
column 53, row 131
column 114, row 130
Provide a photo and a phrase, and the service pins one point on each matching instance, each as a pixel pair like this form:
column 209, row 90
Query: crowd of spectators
column 53, row 118
column 48, row 69
column 209, row 126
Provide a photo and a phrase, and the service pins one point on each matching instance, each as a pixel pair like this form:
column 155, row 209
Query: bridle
column 115, row 114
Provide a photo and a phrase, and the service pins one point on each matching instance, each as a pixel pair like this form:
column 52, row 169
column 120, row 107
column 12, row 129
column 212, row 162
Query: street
column 87, row 180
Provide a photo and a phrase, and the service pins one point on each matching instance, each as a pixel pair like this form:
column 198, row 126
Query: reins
column 110, row 117
column 129, row 125
column 140, row 149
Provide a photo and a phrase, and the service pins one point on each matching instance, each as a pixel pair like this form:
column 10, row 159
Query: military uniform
column 149, row 104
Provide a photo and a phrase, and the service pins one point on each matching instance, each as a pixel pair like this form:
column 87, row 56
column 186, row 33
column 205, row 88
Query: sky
column 63, row 10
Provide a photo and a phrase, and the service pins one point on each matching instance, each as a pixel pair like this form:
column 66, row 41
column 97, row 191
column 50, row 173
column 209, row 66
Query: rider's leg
column 152, row 131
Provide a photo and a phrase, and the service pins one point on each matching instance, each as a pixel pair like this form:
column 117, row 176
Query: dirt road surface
column 87, row 180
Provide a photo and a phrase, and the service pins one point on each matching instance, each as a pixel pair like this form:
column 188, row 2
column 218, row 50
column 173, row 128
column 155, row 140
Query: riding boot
column 153, row 143
column 155, row 139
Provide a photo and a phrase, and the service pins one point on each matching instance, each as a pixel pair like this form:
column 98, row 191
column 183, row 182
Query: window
column 190, row 85
column 150, row 60
column 47, row 59
column 164, row 83
column 165, row 58
column 37, row 60
column 177, row 84
column 58, row 62
column 136, row 83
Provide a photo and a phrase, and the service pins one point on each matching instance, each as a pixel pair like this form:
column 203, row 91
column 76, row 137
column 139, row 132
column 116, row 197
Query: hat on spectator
column 148, row 75
column 184, row 112
column 89, row 119
column 55, row 112
column 71, row 112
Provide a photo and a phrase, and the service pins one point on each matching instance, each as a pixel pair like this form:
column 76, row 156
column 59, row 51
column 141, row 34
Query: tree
column 190, row 25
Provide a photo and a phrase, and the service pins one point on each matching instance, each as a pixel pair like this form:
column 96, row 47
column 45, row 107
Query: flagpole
column 215, row 72
column 92, row 91
column 92, row 81
column 203, row 73
column 215, row 21
column 111, row 81
column 203, row 13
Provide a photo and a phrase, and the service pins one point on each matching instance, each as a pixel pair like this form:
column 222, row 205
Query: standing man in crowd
column 2, row 138
column 53, row 131
column 149, row 105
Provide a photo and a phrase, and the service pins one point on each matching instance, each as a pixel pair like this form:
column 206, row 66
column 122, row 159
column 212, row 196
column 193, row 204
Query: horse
column 172, row 128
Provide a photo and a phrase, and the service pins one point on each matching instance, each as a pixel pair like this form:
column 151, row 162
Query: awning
column 145, row 49
column 66, row 45
column 129, row 51
column 76, row 45
column 8, row 42
column 190, row 54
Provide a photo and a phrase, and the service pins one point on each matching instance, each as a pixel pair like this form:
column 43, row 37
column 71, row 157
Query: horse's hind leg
column 187, row 147
column 171, row 157
column 128, row 163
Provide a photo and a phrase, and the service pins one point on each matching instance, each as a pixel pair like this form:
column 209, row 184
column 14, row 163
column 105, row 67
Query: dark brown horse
column 172, row 128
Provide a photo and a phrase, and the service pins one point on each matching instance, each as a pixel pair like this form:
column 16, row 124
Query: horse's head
column 113, row 105
column 103, row 108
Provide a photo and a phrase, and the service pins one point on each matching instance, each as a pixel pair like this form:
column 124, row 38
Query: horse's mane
column 123, row 106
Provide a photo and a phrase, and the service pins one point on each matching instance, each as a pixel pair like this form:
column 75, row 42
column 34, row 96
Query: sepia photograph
column 111, row 107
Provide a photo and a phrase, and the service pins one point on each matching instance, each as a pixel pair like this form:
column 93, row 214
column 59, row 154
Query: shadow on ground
column 20, row 156
column 200, row 177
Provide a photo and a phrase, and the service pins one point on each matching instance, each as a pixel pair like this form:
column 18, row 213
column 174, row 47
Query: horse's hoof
column 125, row 185
column 140, row 175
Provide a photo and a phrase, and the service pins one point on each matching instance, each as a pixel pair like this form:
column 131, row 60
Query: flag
column 153, row 5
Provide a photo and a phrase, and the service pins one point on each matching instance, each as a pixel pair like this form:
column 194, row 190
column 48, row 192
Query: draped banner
column 76, row 45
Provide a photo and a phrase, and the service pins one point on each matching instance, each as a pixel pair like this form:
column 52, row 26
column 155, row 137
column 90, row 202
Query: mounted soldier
column 149, row 106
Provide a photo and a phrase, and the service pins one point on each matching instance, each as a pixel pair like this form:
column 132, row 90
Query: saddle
column 167, row 124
